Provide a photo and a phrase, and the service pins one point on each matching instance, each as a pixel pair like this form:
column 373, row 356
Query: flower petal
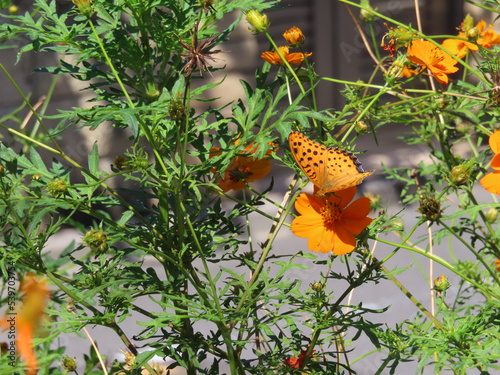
column 357, row 209
column 344, row 242
column 494, row 141
column 491, row 182
column 307, row 202
column 495, row 162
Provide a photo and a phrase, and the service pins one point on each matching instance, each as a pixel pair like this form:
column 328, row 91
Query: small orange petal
column 491, row 182
column 494, row 141
column 495, row 162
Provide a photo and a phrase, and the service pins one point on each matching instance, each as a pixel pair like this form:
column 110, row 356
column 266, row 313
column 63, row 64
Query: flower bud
column 398, row 224
column 2, row 171
column 69, row 364
column 57, row 188
column 441, row 284
column 294, row 36
column 442, row 102
column 121, row 163
column 258, row 21
column 207, row 4
column 473, row 34
column 37, row 177
column 84, row 7
column 430, row 207
column 375, row 200
column 318, row 286
column 361, row 127
column 13, row 9
column 365, row 13
column 96, row 240
column 491, row 215
column 176, row 108
column 459, row 175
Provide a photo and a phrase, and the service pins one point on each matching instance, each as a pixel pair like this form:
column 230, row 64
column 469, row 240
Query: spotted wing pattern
column 329, row 168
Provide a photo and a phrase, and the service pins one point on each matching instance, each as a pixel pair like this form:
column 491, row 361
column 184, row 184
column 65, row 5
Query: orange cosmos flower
column 243, row 169
column 296, row 58
column 487, row 38
column 329, row 223
column 25, row 321
column 459, row 47
column 294, row 36
column 491, row 182
column 426, row 54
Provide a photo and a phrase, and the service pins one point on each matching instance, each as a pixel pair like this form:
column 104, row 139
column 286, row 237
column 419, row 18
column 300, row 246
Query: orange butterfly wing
column 330, row 169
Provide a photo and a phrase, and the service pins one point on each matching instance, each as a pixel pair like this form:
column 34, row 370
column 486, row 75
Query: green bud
column 84, row 7
column 69, row 364
column 473, row 34
column 365, row 14
column 96, row 240
column 318, row 286
column 57, row 188
column 459, row 175
column 259, row 22
column 441, row 284
column 491, row 215
column 361, row 127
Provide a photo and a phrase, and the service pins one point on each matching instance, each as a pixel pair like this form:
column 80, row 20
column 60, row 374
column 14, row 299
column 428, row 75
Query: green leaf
column 94, row 160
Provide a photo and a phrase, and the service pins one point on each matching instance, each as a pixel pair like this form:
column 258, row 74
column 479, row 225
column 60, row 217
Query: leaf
column 94, row 160
column 131, row 121
column 127, row 215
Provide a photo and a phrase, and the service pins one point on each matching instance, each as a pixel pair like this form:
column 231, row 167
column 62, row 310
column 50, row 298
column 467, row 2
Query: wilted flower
column 430, row 207
column 396, row 38
column 296, row 362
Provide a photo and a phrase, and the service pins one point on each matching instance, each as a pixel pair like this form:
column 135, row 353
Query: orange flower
column 426, row 54
column 491, row 182
column 497, row 264
column 487, row 38
column 25, row 321
column 459, row 47
column 294, row 36
column 296, row 362
column 296, row 58
column 329, row 223
column 243, row 169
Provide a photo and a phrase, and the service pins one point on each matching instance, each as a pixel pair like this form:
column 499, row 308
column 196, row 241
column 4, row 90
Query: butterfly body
column 329, row 168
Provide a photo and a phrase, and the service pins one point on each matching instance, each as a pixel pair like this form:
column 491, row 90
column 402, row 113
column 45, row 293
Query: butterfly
column 329, row 168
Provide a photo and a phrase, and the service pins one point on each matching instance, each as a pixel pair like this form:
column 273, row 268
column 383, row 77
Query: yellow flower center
column 331, row 213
